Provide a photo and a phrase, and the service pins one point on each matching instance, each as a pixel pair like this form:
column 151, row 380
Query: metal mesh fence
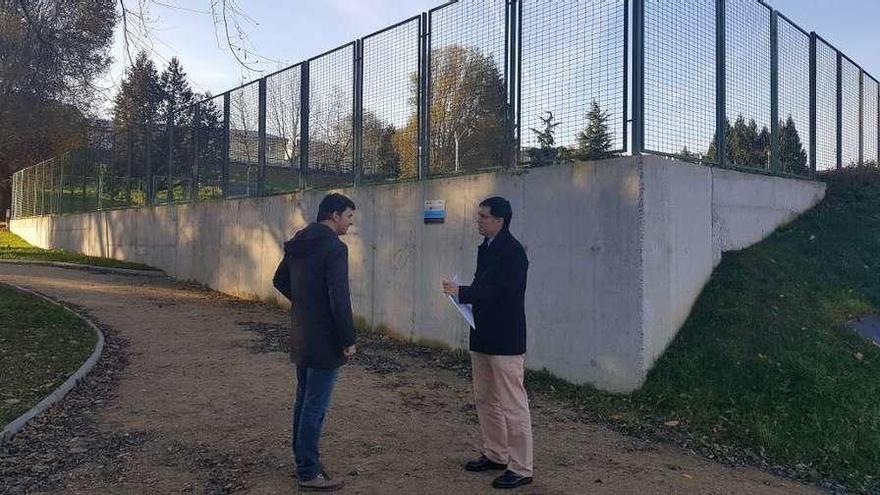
column 572, row 58
column 871, row 110
column 331, row 114
column 851, row 108
column 211, row 129
column 183, row 154
column 747, row 47
column 468, row 110
column 680, row 78
column 244, row 141
column 449, row 88
column 158, row 166
column 826, row 106
column 794, row 98
column 283, row 130
column 390, row 118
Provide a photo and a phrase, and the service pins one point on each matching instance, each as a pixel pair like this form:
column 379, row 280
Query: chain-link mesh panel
column 210, row 130
column 680, row 78
column 390, row 120
column 160, row 166
column 747, row 26
column 99, row 165
column 826, row 106
column 572, row 59
column 850, row 81
column 469, row 126
column 27, row 192
column 331, row 111
column 183, row 154
column 871, row 100
column 283, row 130
column 244, row 141
column 794, row 99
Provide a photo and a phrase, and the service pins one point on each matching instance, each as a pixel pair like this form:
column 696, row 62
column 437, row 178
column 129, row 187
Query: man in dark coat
column 498, row 347
column 314, row 276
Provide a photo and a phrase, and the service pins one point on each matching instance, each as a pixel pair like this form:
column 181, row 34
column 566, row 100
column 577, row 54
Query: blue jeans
column 313, row 389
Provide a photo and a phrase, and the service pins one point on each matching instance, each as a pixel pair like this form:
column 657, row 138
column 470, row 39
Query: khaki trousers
column 503, row 408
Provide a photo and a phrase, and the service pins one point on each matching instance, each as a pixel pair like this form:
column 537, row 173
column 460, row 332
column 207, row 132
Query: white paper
column 465, row 309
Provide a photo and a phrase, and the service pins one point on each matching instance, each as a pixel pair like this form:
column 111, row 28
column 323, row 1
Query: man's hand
column 450, row 289
column 349, row 351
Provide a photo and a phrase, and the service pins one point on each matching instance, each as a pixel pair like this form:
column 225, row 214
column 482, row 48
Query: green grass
column 764, row 363
column 13, row 247
column 40, row 346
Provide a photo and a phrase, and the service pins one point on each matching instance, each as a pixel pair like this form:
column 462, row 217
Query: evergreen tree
column 546, row 153
column 712, row 152
column 594, row 142
column 687, row 154
column 762, row 148
column 176, row 91
column 744, row 145
column 792, row 156
column 140, row 95
column 177, row 95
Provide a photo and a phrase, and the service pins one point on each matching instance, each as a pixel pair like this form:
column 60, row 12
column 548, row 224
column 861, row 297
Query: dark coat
column 498, row 297
column 314, row 276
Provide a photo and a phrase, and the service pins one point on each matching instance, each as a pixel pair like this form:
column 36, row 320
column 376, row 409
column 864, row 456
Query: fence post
column 720, row 82
column 194, row 183
column 839, row 110
column 128, row 167
column 169, row 179
column 224, row 145
column 775, row 162
column 148, row 163
column 861, row 117
column 511, row 50
column 358, row 111
column 304, row 125
column 261, row 137
column 813, row 103
column 638, row 76
column 61, row 195
column 425, row 83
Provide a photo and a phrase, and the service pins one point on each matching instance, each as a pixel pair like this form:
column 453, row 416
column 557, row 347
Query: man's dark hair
column 499, row 208
column 333, row 203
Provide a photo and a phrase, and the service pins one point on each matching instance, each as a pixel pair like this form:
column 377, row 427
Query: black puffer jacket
column 498, row 297
column 314, row 276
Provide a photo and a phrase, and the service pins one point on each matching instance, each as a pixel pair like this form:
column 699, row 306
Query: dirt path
column 202, row 407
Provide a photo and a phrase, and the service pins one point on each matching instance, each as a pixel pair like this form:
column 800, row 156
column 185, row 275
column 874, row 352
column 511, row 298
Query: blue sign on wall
column 435, row 211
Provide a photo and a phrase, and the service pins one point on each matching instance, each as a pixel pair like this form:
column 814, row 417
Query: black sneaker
column 484, row 464
column 321, row 483
column 511, row 480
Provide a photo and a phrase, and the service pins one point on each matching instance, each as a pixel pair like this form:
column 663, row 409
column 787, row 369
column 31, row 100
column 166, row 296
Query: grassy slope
column 765, row 359
column 14, row 247
column 764, row 363
column 40, row 346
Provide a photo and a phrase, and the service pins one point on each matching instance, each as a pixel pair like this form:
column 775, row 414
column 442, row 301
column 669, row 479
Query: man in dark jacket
column 314, row 276
column 498, row 347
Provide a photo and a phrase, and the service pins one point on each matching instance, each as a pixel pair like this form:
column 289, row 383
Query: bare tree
column 283, row 118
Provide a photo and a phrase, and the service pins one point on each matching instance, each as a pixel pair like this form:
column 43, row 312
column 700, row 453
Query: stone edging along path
column 80, row 266
column 17, row 424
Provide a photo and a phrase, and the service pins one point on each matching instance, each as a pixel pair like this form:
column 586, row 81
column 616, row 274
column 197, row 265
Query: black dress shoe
column 484, row 464
column 511, row 480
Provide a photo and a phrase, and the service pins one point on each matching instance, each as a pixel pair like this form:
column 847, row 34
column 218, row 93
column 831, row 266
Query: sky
column 286, row 32
column 283, row 33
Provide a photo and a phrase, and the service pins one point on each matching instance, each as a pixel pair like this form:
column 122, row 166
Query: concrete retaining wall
column 619, row 250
